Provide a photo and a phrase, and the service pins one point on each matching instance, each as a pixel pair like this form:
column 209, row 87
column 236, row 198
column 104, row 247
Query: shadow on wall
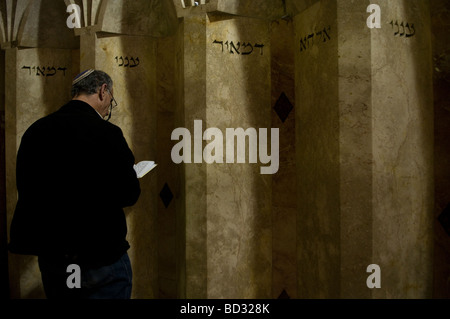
column 417, row 122
column 440, row 15
column 422, row 73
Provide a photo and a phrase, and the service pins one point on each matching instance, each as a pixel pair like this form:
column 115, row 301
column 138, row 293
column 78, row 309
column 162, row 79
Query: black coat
column 74, row 177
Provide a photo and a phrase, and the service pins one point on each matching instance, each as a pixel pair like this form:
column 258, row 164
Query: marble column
column 364, row 150
column 239, row 197
column 227, row 206
column 403, row 171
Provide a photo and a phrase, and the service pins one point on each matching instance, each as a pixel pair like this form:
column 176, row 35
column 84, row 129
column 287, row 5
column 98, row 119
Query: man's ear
column 102, row 91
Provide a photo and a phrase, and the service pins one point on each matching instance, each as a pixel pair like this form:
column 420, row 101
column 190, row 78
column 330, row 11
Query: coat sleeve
column 123, row 184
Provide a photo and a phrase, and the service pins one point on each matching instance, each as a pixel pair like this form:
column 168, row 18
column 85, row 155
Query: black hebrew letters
column 44, row 71
column 244, row 48
column 127, row 62
column 403, row 29
column 315, row 38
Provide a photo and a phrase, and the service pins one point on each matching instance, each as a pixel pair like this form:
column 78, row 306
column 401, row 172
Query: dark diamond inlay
column 166, row 195
column 283, row 107
column 284, row 295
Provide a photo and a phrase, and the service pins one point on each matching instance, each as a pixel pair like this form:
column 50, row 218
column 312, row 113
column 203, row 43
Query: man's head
column 95, row 88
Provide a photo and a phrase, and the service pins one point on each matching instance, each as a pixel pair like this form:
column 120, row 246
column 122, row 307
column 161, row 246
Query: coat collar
column 81, row 107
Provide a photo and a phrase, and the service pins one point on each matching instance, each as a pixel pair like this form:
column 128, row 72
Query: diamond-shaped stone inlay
column 284, row 295
column 283, row 107
column 166, row 195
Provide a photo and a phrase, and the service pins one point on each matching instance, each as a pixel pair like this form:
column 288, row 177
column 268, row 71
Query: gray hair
column 91, row 83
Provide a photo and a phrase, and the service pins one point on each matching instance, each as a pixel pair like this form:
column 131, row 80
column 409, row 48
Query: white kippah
column 82, row 76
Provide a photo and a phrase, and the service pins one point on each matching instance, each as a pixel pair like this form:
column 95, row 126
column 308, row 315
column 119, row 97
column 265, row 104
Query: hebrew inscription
column 313, row 38
column 44, row 71
column 403, row 29
column 244, row 48
column 127, row 62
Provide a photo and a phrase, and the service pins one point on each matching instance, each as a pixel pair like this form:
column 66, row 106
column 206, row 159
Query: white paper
column 144, row 167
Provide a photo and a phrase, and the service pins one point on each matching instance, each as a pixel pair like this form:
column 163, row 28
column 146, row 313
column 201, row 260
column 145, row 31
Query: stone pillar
column 403, row 172
column 88, row 47
column 364, row 150
column 239, row 197
column 227, row 206
column 317, row 146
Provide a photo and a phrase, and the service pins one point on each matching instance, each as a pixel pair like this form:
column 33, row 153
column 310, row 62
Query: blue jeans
column 108, row 282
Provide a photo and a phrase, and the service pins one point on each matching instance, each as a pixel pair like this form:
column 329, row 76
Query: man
column 74, row 177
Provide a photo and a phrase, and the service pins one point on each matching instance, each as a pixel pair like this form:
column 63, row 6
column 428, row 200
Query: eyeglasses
column 113, row 100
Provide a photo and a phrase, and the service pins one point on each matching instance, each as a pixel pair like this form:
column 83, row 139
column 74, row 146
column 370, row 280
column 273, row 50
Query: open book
column 144, row 167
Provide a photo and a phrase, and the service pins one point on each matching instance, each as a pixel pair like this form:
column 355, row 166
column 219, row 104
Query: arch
column 35, row 23
column 12, row 20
